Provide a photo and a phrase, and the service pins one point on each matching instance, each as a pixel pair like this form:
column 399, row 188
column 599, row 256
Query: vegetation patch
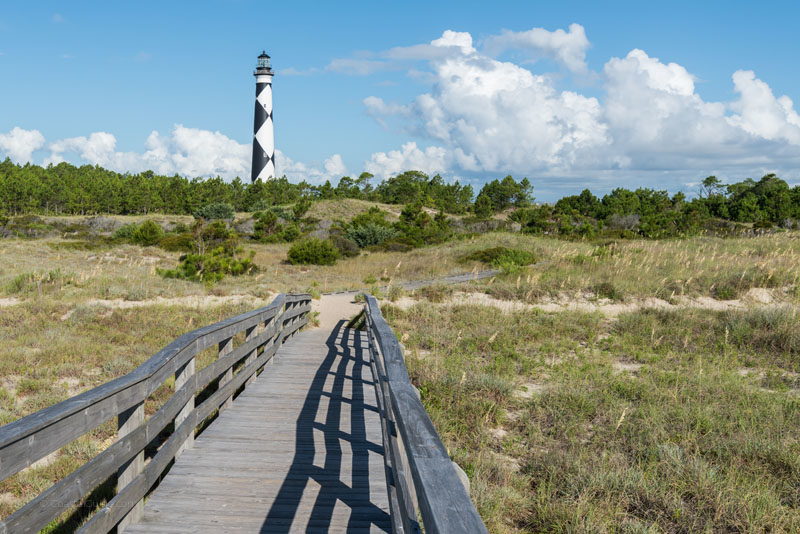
column 215, row 211
column 39, row 282
column 313, row 251
column 217, row 253
column 499, row 256
column 686, row 443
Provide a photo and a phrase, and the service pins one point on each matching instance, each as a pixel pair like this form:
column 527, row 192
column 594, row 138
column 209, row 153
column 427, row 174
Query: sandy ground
column 9, row 302
column 191, row 301
column 334, row 308
column 756, row 297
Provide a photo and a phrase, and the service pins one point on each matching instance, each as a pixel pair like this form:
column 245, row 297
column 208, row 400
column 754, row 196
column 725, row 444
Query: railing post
column 225, row 347
column 294, row 319
column 249, row 335
column 127, row 422
column 182, row 376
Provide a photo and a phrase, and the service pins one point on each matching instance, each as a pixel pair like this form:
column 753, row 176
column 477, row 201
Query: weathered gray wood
column 444, row 504
column 182, row 378
column 250, row 334
column 71, row 489
column 128, row 421
column 108, row 516
column 225, row 347
column 297, row 421
column 300, row 447
column 33, row 437
column 402, row 495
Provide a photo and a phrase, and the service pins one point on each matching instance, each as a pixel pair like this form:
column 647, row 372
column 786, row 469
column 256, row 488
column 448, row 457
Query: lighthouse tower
column 263, row 136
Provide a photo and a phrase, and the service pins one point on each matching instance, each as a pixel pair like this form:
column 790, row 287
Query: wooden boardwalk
column 300, row 450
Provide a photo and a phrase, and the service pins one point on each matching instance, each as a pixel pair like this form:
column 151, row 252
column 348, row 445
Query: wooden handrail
column 33, row 437
column 425, row 482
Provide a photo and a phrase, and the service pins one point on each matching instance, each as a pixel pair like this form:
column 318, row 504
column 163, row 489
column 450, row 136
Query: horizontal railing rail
column 31, row 438
column 424, row 483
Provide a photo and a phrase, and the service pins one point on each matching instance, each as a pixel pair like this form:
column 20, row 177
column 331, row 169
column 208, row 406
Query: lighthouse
column 263, row 135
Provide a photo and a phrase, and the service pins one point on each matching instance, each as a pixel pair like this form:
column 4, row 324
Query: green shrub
column 184, row 242
column 370, row 233
column 313, row 251
column 211, row 267
column 28, row 225
column 147, row 234
column 301, row 208
column 266, row 222
column 346, row 247
column 125, row 232
column 215, row 211
column 608, row 290
column 217, row 234
column 289, row 233
column 502, row 256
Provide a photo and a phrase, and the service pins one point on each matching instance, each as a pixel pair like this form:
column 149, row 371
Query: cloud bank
column 185, row 151
column 483, row 114
column 484, row 111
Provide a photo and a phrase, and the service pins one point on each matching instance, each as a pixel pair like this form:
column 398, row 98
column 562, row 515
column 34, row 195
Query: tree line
column 87, row 189
column 90, row 189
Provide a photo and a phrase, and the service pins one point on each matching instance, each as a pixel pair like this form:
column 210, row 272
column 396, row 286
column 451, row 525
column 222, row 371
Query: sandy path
column 333, row 308
column 755, row 298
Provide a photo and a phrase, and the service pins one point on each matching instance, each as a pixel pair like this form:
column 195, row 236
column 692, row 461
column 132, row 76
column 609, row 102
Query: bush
column 266, row 223
column 395, row 246
column 313, row 251
column 184, row 242
column 211, row 267
column 346, row 247
column 215, row 252
column 217, row 234
column 125, row 232
column 215, row 211
column 502, row 256
column 608, row 290
column 289, row 233
column 300, row 208
column 147, row 234
column 370, row 233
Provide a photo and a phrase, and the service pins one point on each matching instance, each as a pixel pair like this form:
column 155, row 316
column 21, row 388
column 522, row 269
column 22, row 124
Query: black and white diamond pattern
column 263, row 138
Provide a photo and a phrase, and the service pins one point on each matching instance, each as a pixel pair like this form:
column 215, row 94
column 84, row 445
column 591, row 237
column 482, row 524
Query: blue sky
column 348, row 84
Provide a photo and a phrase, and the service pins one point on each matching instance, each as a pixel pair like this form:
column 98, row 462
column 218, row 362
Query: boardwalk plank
column 300, row 450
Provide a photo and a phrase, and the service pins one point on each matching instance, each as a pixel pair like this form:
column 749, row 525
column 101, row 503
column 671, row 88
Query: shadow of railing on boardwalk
column 345, row 347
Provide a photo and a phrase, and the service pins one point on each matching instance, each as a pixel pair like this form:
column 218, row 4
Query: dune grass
column 53, row 351
column 711, row 267
column 658, row 421
column 661, row 421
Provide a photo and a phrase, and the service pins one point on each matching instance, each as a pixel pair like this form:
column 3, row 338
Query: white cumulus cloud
column 19, row 144
column 430, row 160
column 760, row 113
column 494, row 115
column 566, row 47
column 334, row 166
column 482, row 114
column 186, row 151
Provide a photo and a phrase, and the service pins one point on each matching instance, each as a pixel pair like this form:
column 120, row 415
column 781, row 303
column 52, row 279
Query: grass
column 656, row 421
column 128, row 272
column 569, row 422
column 669, row 269
column 53, row 351
column 345, row 209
